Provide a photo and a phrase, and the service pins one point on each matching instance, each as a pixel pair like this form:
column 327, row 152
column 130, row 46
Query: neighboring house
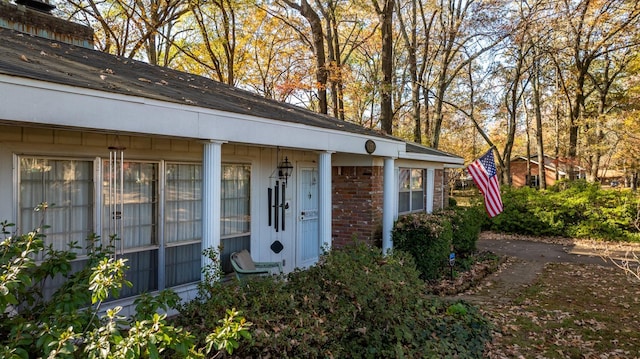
column 173, row 163
column 554, row 168
column 613, row 178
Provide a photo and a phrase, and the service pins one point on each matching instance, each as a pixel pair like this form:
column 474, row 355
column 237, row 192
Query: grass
column 572, row 311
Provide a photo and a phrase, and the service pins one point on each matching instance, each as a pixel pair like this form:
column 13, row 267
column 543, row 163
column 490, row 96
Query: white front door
column 308, row 243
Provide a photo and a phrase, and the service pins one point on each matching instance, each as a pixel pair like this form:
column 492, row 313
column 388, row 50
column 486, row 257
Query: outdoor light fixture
column 284, row 169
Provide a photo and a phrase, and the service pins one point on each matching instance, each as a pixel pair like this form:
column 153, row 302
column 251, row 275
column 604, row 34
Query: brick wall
column 438, row 190
column 519, row 174
column 357, row 204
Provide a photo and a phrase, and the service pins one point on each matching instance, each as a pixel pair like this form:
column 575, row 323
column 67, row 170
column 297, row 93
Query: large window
column 411, row 196
column 138, row 240
column 158, row 217
column 183, row 223
column 235, row 210
column 66, row 186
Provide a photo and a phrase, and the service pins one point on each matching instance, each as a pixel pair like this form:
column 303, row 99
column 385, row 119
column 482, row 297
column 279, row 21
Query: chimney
column 34, row 17
column 43, row 5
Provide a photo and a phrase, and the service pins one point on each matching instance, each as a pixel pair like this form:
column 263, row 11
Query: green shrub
column 356, row 303
column 69, row 324
column 466, row 223
column 428, row 238
column 521, row 214
column 573, row 209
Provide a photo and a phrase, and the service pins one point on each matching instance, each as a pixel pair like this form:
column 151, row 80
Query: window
column 235, row 211
column 138, row 241
column 67, row 186
column 411, row 196
column 160, row 224
column 183, row 223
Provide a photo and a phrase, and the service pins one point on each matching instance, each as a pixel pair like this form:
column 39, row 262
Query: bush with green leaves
column 355, row 303
column 71, row 324
column 466, row 223
column 572, row 209
column 526, row 212
column 428, row 238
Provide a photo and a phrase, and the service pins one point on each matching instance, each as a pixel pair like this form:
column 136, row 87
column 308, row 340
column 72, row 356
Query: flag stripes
column 483, row 173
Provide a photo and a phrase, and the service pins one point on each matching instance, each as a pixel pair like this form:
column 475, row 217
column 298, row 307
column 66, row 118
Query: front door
column 308, row 244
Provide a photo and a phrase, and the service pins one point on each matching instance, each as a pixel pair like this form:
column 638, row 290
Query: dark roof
column 416, row 148
column 42, row 59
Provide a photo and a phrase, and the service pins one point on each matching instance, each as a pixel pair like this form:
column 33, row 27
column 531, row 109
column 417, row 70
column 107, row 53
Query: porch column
column 211, row 180
column 431, row 177
column 389, row 189
column 324, row 199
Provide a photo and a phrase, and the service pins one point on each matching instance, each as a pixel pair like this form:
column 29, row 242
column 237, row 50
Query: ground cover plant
column 355, row 303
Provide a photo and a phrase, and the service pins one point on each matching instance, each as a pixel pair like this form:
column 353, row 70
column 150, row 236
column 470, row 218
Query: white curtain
column 183, row 223
column 67, row 187
column 138, row 242
column 235, row 196
column 411, row 195
column 183, row 203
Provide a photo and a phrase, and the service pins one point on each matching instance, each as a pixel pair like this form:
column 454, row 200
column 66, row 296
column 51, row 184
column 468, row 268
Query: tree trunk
column 542, row 176
column 317, row 34
column 410, row 40
column 386, row 29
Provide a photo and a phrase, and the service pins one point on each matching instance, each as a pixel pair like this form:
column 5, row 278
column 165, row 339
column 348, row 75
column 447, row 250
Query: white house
column 173, row 163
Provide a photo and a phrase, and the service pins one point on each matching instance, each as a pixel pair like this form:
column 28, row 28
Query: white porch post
column 211, row 179
column 431, row 176
column 388, row 203
column 324, row 199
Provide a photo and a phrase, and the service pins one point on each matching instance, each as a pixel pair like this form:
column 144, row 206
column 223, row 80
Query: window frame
column 411, row 190
column 243, row 237
column 81, row 254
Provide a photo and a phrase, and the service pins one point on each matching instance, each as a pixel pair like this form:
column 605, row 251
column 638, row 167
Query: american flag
column 483, row 172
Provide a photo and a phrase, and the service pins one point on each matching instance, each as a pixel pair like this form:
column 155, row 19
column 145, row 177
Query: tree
column 408, row 24
column 466, row 30
column 222, row 37
column 279, row 71
column 317, row 36
column 131, row 28
column 603, row 109
column 385, row 10
column 585, row 31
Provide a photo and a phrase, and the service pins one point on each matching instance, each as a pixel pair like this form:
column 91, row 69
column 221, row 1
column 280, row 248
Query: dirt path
column 526, row 258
